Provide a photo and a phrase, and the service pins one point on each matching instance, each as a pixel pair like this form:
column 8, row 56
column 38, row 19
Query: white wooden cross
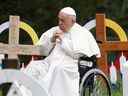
column 14, row 48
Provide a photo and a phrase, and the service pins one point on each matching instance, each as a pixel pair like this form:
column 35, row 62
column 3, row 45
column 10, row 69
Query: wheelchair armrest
column 90, row 59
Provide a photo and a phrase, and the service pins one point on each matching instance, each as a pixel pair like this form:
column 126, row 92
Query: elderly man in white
column 63, row 45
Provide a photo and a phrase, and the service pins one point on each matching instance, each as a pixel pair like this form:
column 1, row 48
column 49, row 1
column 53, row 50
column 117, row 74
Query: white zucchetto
column 69, row 11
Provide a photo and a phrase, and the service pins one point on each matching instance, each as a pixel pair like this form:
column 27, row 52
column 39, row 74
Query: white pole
column 125, row 79
column 122, row 60
column 113, row 74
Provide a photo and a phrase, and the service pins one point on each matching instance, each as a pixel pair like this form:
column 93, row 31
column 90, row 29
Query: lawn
column 118, row 90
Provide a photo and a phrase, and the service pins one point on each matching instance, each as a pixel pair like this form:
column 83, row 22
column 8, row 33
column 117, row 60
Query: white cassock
column 58, row 72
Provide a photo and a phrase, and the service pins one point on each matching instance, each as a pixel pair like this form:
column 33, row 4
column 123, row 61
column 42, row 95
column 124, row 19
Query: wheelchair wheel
column 95, row 83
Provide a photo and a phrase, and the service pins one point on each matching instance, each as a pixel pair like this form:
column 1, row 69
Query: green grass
column 0, row 93
column 118, row 91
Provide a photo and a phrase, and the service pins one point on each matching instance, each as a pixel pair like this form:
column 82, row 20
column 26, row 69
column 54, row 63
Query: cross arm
column 114, row 46
column 20, row 49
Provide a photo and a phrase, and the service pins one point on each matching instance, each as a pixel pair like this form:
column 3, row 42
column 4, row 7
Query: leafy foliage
column 42, row 14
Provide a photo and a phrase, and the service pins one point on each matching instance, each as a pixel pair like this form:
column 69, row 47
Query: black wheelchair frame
column 88, row 77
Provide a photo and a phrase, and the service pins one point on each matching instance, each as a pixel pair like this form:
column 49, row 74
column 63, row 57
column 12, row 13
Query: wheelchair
column 93, row 82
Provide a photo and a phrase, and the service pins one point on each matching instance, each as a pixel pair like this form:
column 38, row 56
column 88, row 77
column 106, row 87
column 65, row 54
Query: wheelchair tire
column 95, row 83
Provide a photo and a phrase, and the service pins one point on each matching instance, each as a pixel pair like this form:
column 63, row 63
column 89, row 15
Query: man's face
column 65, row 21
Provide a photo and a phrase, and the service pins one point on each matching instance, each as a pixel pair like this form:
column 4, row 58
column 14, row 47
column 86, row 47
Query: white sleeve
column 45, row 42
column 68, row 48
column 93, row 44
